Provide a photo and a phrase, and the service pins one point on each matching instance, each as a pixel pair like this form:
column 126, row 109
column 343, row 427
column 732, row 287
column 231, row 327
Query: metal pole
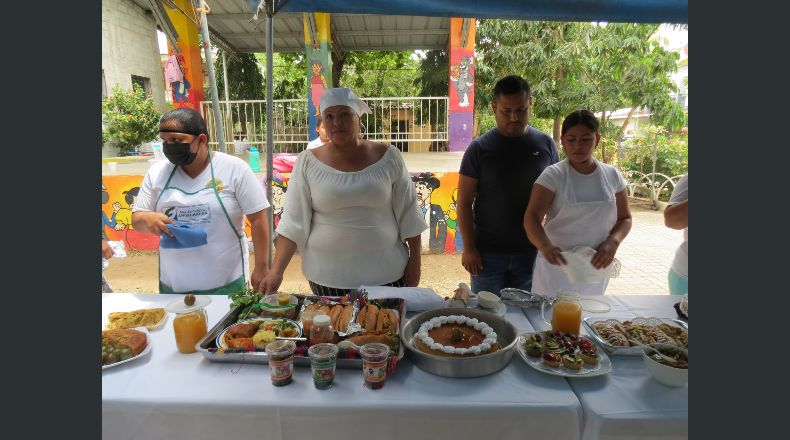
column 269, row 111
column 227, row 95
column 211, row 78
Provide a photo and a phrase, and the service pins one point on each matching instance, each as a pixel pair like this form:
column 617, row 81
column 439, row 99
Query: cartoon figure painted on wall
column 463, row 80
column 121, row 192
column 425, row 184
column 279, row 187
column 134, row 239
column 317, row 84
column 105, row 221
column 181, row 88
column 452, row 224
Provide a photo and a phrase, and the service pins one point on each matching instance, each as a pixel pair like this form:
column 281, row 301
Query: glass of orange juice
column 566, row 314
column 191, row 322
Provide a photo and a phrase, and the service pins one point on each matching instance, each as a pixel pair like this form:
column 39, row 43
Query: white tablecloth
column 169, row 395
column 627, row 403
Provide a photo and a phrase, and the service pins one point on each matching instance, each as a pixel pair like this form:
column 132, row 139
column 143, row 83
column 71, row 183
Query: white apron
column 214, row 268
column 576, row 224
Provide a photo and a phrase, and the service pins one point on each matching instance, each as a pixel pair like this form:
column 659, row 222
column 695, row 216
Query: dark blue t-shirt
column 505, row 169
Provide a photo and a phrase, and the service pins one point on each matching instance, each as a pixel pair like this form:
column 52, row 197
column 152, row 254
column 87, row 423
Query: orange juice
column 189, row 328
column 566, row 317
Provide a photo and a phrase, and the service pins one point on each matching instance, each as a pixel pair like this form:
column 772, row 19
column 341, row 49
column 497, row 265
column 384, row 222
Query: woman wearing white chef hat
column 351, row 209
column 585, row 206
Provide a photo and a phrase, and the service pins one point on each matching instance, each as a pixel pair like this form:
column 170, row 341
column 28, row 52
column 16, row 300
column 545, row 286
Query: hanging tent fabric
column 626, row 11
column 629, row 11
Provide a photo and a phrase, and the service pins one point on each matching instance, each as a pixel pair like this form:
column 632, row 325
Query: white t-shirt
column 681, row 262
column 220, row 261
column 585, row 186
column 315, row 143
column 350, row 226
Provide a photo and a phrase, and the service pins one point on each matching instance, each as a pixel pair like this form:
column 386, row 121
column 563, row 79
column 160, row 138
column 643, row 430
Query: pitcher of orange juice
column 566, row 313
column 191, row 322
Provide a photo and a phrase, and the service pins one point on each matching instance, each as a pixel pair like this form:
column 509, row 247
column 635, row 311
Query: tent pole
column 227, row 97
column 211, row 78
column 269, row 111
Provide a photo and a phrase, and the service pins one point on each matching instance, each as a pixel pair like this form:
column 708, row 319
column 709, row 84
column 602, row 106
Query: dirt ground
column 137, row 273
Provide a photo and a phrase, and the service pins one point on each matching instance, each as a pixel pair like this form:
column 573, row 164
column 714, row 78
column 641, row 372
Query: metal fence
column 413, row 124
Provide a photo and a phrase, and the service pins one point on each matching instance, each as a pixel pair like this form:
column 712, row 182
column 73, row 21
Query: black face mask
column 178, row 153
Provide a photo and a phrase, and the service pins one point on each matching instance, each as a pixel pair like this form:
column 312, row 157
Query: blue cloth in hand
column 184, row 236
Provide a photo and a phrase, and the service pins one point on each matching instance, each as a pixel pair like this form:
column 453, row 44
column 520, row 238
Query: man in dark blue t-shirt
column 494, row 184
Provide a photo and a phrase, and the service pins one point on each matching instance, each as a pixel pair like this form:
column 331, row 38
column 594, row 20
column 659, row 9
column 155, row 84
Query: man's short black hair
column 511, row 85
column 184, row 120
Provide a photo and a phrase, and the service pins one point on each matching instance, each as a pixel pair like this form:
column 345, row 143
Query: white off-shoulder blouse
column 350, row 227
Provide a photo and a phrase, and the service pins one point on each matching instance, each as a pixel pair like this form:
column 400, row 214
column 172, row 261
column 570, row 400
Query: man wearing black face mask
column 197, row 202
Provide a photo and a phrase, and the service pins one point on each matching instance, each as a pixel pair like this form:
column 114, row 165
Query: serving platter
column 145, row 351
column 347, row 358
column 623, row 350
column 156, row 326
column 604, row 363
column 221, row 337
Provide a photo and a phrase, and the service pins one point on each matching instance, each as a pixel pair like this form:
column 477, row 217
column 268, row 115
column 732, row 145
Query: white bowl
column 669, row 376
column 487, row 299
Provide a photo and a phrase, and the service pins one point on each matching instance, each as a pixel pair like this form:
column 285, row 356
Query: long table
column 627, row 403
column 169, row 395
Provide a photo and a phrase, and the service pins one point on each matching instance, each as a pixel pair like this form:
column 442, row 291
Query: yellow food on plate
column 263, row 337
column 283, row 299
column 136, row 318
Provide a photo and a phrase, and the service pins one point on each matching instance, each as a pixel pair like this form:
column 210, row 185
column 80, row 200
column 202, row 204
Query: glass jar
column 191, row 322
column 375, row 358
column 321, row 330
column 566, row 313
column 281, row 361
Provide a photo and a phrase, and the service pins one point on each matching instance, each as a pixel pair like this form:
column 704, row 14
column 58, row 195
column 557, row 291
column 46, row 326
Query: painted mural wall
column 436, row 196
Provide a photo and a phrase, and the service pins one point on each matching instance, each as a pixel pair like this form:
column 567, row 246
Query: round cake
column 456, row 336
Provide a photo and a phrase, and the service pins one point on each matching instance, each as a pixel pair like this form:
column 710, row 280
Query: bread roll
column 371, row 315
column 334, row 314
column 361, row 315
column 324, row 309
column 387, row 321
column 368, row 337
column 345, row 318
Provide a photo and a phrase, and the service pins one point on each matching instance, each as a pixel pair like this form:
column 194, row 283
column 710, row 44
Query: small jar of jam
column 281, row 361
column 322, row 331
column 323, row 360
column 374, row 364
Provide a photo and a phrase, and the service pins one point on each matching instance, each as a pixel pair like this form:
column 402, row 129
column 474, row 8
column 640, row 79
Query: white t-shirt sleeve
column 404, row 200
column 550, row 178
column 249, row 191
column 681, row 191
column 149, row 192
column 298, row 212
column 620, row 182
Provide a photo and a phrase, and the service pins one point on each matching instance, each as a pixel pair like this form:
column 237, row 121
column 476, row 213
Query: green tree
column 130, row 118
column 380, row 73
column 550, row 55
column 668, row 149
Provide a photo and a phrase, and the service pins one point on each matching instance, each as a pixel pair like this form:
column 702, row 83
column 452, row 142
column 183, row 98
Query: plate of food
column 563, row 354
column 624, row 337
column 152, row 319
column 257, row 332
column 119, row 346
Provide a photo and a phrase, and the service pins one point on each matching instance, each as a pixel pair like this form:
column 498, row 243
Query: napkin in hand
column 580, row 269
column 184, row 236
column 417, row 298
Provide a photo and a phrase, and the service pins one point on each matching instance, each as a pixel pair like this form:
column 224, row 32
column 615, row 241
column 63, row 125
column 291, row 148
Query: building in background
column 130, row 51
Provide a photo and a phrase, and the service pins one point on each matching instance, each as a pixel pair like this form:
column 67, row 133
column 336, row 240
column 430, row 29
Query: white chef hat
column 343, row 96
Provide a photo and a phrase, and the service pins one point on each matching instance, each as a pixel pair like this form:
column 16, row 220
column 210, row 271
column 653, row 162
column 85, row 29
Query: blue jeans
column 504, row 270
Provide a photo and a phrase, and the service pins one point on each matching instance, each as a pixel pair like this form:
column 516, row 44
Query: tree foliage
column 668, row 149
column 130, row 119
column 581, row 65
column 245, row 80
column 380, row 73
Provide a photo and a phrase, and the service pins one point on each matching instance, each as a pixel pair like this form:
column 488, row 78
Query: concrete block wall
column 130, row 47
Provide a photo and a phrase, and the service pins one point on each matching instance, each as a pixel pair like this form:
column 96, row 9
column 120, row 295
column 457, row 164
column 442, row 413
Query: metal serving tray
column 626, row 351
column 207, row 345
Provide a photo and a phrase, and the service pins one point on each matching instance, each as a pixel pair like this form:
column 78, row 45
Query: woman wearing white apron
column 198, row 201
column 585, row 204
